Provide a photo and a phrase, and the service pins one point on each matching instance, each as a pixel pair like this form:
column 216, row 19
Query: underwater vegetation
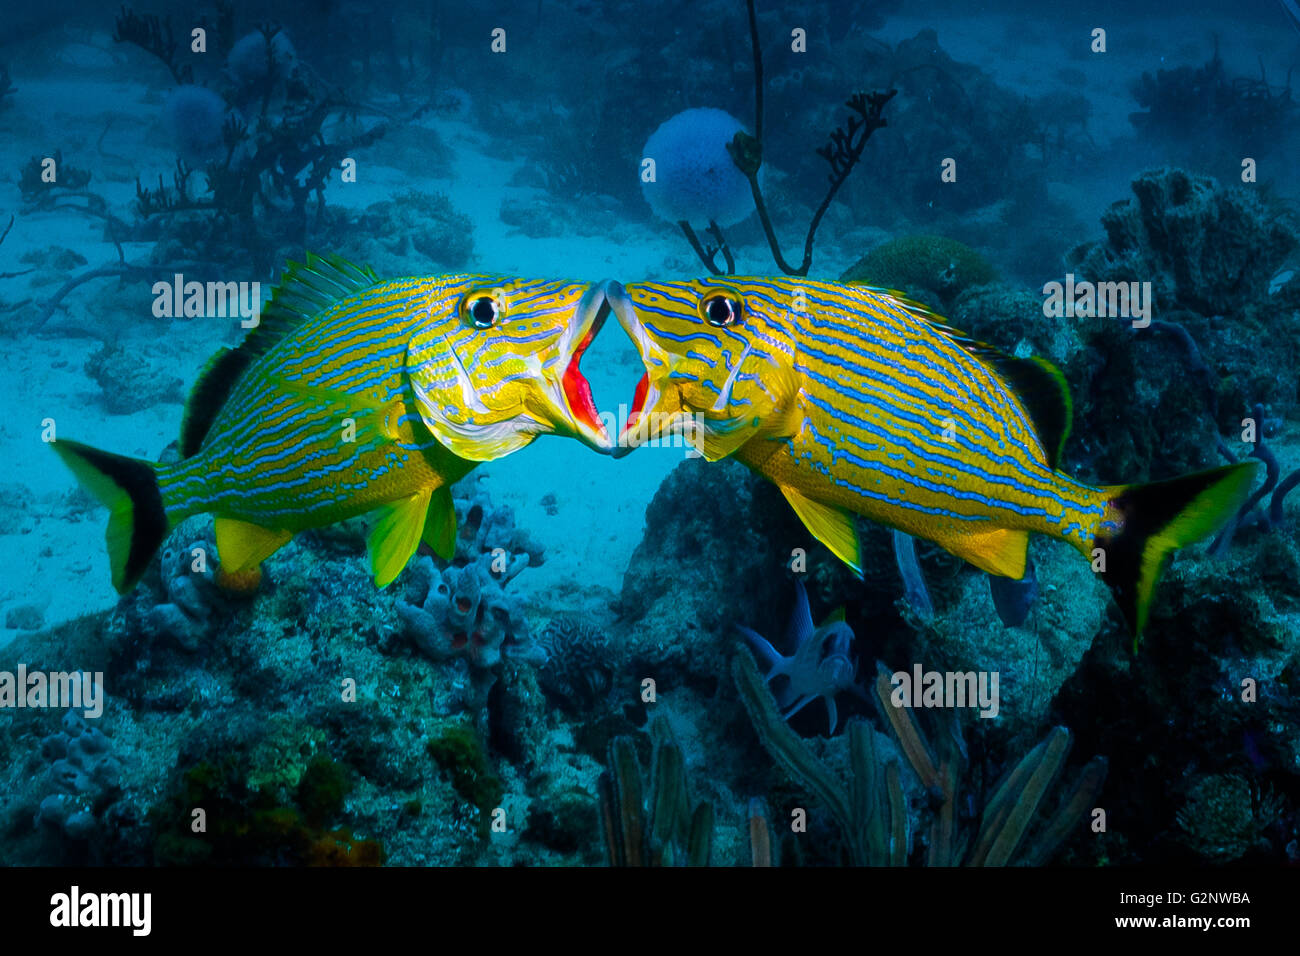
column 259, row 143
column 872, row 811
column 1202, row 105
column 654, row 824
column 252, row 827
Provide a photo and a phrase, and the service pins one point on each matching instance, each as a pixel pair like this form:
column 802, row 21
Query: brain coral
column 695, row 179
column 914, row 263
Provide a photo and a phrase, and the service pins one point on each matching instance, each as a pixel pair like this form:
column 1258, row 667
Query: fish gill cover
column 765, row 434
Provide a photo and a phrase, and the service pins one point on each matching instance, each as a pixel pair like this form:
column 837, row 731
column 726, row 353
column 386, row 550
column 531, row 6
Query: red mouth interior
column 638, row 403
column 576, row 387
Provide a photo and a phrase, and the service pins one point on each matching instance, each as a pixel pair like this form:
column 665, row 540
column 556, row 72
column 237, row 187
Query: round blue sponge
column 247, row 61
column 695, row 178
column 194, row 117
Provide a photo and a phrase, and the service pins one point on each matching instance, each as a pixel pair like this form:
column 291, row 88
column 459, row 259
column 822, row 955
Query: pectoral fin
column 1000, row 551
column 396, row 536
column 718, row 439
column 833, row 527
column 243, row 546
column 440, row 524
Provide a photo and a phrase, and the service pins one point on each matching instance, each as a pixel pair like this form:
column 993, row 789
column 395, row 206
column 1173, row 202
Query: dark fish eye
column 482, row 311
column 721, row 310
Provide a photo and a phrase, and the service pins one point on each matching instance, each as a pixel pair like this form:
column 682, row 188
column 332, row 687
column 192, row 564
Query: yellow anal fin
column 396, row 536
column 440, row 524
column 833, row 527
column 1000, row 551
column 242, row 546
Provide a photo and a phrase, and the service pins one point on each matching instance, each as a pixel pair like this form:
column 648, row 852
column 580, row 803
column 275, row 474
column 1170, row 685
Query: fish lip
column 590, row 314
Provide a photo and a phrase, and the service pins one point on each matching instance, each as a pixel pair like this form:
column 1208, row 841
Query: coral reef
column 128, row 382
column 260, row 58
column 83, row 775
column 459, row 750
column 245, row 826
column 424, row 223
column 1205, row 248
column 187, row 612
column 259, row 142
column 1224, row 817
column 945, row 108
column 928, row 268
column 467, row 611
column 38, row 192
column 1209, row 695
column 483, row 528
column 576, row 672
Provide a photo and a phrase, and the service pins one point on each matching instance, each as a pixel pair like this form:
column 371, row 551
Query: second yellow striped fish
column 854, row 401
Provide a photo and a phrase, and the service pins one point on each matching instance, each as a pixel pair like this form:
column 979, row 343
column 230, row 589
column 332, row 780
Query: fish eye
column 721, row 309
column 483, row 310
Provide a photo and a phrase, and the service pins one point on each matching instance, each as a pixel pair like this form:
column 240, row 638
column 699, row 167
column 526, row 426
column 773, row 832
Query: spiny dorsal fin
column 1040, row 385
column 1042, row 388
column 303, row 291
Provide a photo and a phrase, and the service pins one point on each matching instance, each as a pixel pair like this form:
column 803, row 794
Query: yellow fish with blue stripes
column 855, row 401
column 356, row 394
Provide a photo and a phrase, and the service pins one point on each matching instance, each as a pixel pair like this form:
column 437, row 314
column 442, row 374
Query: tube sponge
column 194, row 116
column 695, row 179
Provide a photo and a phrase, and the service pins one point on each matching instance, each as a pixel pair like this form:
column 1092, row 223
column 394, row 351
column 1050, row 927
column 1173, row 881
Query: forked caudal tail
column 1151, row 521
column 128, row 487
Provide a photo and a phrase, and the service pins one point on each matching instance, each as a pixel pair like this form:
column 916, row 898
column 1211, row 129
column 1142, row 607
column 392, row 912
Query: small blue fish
column 819, row 664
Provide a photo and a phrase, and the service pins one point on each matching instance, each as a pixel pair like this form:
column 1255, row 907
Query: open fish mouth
column 590, row 315
column 647, row 394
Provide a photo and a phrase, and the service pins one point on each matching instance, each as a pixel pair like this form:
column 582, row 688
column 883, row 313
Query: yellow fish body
column 356, row 394
column 854, row 401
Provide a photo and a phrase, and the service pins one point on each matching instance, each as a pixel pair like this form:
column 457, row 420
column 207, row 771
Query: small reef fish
column 356, row 394
column 818, row 666
column 856, row 401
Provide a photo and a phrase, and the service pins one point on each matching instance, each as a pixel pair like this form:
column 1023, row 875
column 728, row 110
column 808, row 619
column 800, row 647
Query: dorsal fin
column 1040, row 385
column 303, row 291
column 1042, row 388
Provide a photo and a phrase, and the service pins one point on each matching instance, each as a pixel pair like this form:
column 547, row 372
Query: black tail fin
column 1155, row 520
column 128, row 487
